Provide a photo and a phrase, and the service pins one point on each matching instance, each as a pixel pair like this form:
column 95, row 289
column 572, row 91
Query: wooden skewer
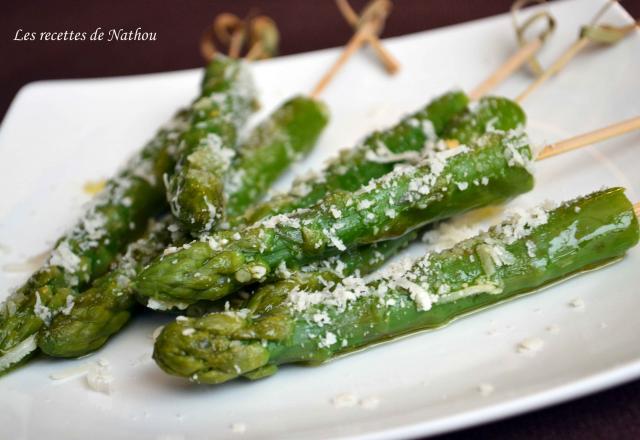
column 228, row 29
column 523, row 55
column 571, row 52
column 363, row 35
column 235, row 46
column 390, row 63
column 514, row 63
column 352, row 46
column 567, row 56
column 347, row 12
column 254, row 52
column 589, row 138
column 368, row 26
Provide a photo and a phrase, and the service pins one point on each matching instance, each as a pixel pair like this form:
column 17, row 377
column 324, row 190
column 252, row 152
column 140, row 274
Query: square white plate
column 60, row 134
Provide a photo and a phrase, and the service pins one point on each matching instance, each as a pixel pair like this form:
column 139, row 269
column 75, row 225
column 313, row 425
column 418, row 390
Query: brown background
column 305, row 25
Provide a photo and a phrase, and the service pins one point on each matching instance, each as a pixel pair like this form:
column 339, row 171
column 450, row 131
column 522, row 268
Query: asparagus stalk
column 525, row 253
column 360, row 261
column 196, row 190
column 102, row 310
column 372, row 158
column 449, row 116
column 490, row 113
column 288, row 133
column 446, row 183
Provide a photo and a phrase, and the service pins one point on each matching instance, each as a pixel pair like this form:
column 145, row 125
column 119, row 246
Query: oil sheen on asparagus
column 530, row 250
column 492, row 169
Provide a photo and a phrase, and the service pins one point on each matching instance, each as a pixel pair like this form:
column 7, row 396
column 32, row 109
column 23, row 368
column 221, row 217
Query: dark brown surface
column 305, row 25
column 612, row 414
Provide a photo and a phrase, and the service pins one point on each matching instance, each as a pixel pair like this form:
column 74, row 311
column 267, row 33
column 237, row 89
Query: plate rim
column 592, row 383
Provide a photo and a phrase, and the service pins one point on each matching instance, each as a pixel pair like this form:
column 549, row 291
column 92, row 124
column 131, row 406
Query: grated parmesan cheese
column 322, row 318
column 553, row 328
column 188, row 331
column 345, row 400
column 19, row 352
column 577, row 303
column 418, row 294
column 99, row 378
column 71, row 373
column 530, row 346
column 64, row 257
column 328, row 340
column 238, row 428
column 66, row 310
column 280, row 219
column 41, row 311
column 486, row 389
column 446, row 235
column 371, row 402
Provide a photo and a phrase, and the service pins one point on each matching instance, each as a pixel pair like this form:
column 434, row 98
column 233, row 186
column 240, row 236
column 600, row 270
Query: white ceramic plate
column 60, row 134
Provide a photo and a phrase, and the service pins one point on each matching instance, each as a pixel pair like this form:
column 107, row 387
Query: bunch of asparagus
column 194, row 167
column 179, row 228
column 315, row 317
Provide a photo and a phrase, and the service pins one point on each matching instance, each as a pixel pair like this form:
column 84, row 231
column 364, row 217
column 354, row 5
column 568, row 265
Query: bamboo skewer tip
column 508, row 68
column 367, row 26
column 589, row 138
column 352, row 46
column 561, row 62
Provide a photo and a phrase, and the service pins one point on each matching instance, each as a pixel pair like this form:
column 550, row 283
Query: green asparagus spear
column 291, row 131
column 116, row 217
column 196, row 190
column 490, row 113
column 374, row 157
column 449, row 117
column 527, row 252
column 492, row 170
column 360, row 261
column 102, row 310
